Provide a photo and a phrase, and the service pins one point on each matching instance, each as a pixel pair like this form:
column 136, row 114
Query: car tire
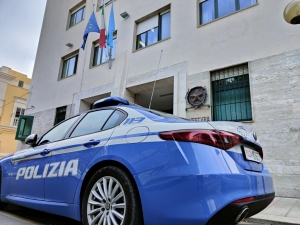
column 2, row 205
column 111, row 195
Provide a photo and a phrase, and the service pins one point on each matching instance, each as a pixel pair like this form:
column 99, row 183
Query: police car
column 123, row 164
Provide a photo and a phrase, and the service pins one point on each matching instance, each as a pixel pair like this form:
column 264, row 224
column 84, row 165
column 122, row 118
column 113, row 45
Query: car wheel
column 2, row 205
column 111, row 198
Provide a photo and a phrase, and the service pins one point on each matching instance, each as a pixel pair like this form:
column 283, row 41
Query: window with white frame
column 210, row 10
column 231, row 94
column 77, row 16
column 69, row 66
column 101, row 55
column 154, row 29
column 17, row 114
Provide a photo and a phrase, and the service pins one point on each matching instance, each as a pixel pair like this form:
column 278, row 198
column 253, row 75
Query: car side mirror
column 31, row 140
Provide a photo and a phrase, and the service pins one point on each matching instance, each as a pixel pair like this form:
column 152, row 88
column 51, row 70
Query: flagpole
column 84, row 60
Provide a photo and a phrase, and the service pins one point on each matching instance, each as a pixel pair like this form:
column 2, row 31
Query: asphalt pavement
column 15, row 215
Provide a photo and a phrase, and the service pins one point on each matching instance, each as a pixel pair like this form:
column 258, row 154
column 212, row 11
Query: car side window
column 58, row 132
column 92, row 122
column 115, row 119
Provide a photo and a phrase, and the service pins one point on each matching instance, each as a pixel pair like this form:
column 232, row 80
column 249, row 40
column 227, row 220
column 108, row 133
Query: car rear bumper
column 197, row 184
column 233, row 212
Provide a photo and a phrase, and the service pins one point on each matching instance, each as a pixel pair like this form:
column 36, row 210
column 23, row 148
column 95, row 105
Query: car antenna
column 155, row 79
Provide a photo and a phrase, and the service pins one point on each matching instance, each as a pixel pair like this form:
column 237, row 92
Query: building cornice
column 7, row 76
column 7, row 127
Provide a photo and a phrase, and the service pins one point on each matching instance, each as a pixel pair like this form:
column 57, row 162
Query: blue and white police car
column 121, row 164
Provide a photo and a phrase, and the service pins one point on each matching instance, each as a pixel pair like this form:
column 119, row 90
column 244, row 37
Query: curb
column 274, row 221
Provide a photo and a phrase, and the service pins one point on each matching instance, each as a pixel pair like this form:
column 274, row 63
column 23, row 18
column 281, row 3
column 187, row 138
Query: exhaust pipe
column 242, row 215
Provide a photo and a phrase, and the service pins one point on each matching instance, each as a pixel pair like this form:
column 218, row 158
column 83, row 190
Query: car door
column 71, row 156
column 30, row 167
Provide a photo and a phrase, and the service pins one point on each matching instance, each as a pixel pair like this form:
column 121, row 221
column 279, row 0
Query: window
column 24, row 127
column 115, row 119
column 231, row 94
column 58, row 132
column 101, row 55
column 152, row 30
column 91, row 123
column 21, row 83
column 100, row 3
column 77, row 16
column 69, row 66
column 18, row 113
column 60, row 114
column 213, row 9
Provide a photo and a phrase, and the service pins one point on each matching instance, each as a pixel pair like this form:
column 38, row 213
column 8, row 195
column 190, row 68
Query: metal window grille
column 231, row 94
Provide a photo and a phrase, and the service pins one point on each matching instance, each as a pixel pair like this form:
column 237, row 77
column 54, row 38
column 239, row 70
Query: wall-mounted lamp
column 69, row 45
column 291, row 12
column 124, row 15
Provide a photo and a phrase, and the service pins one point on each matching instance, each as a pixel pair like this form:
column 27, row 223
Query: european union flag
column 91, row 26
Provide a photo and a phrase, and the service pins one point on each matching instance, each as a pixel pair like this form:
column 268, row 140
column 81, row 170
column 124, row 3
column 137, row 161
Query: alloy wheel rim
column 106, row 203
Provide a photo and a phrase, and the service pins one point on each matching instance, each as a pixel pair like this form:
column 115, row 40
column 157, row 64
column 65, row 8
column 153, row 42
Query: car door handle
column 45, row 152
column 91, row 143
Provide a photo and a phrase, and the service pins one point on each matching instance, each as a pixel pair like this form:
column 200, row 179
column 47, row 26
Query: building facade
column 14, row 88
column 241, row 53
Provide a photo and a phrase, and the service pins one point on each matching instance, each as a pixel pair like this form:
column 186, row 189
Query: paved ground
column 15, row 215
column 280, row 211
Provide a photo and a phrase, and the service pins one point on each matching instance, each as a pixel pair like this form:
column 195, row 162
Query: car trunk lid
column 248, row 154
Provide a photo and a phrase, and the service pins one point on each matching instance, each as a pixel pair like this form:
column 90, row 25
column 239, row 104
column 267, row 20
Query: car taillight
column 243, row 200
column 219, row 139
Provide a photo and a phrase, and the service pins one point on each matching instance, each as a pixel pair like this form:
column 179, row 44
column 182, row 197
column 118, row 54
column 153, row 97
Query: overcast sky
column 20, row 27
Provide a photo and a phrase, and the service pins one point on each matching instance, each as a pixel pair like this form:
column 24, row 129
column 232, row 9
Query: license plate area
column 251, row 155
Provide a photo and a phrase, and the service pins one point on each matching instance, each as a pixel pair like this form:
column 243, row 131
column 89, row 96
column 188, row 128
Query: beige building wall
column 257, row 36
column 11, row 97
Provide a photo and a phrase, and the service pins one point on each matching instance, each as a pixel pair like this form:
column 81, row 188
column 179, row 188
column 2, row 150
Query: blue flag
column 111, row 27
column 91, row 26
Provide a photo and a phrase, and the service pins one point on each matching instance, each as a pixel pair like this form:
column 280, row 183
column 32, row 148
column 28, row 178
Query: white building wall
column 257, row 35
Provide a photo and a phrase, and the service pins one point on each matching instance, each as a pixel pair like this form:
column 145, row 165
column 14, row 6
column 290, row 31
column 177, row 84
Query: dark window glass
column 246, row 3
column 231, row 94
column 69, row 66
column 19, row 111
column 207, row 11
column 213, row 9
column 165, row 26
column 152, row 36
column 114, row 120
column 21, row 83
column 141, row 40
column 97, row 56
column 77, row 16
column 226, row 7
column 91, row 123
column 60, row 114
column 58, row 132
column 101, row 55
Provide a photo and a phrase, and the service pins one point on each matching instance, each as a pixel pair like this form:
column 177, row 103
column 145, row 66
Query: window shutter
column 147, row 25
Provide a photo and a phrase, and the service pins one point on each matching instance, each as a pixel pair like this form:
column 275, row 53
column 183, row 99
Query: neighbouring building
column 240, row 52
column 14, row 89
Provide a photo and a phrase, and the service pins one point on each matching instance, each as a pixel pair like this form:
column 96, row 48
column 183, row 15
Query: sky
column 20, row 27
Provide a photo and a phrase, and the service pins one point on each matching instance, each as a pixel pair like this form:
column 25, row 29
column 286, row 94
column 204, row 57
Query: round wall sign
column 196, row 96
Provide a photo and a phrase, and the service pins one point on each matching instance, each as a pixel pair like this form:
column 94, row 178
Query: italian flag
column 102, row 39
